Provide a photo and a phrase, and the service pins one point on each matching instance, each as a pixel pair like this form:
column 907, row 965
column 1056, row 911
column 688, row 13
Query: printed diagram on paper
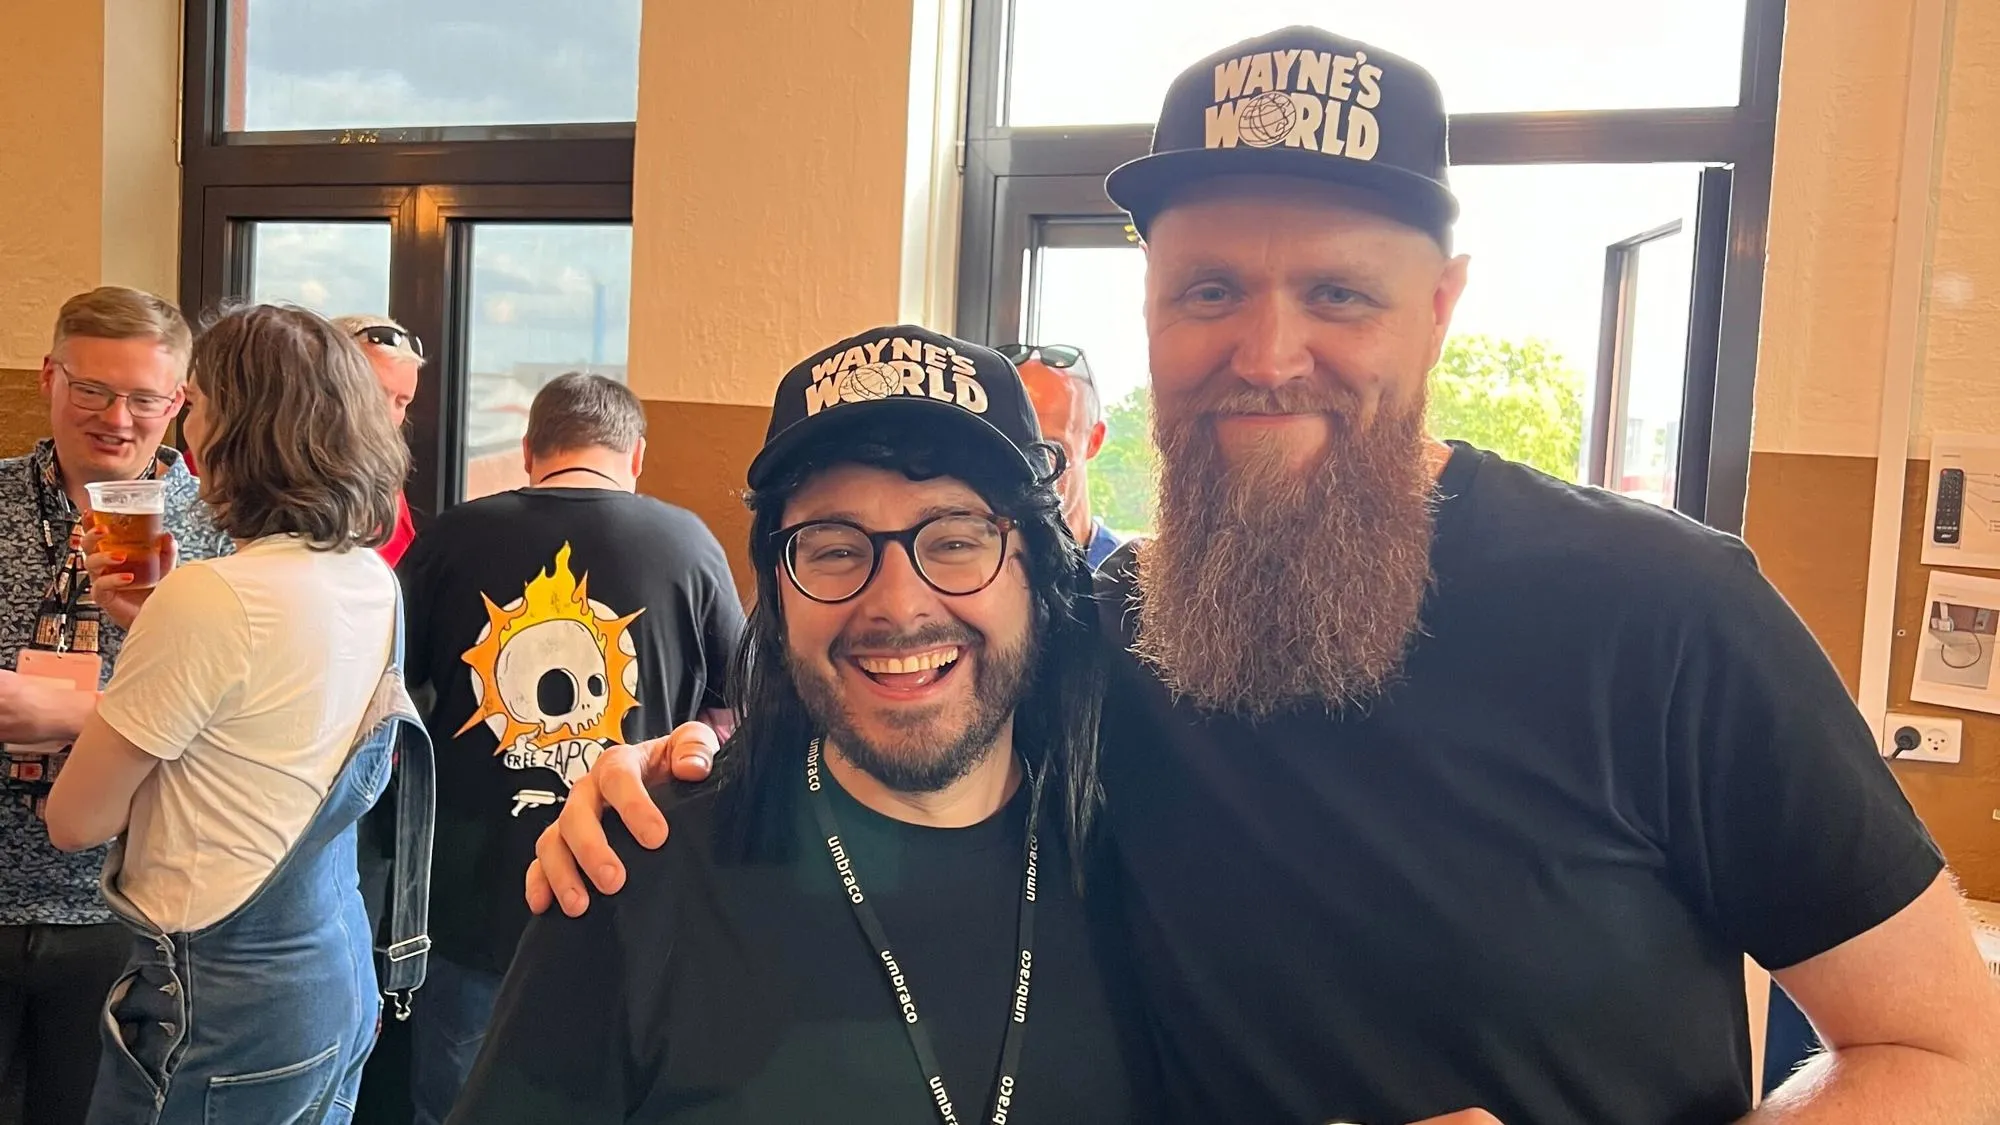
column 1960, row 643
column 1962, row 509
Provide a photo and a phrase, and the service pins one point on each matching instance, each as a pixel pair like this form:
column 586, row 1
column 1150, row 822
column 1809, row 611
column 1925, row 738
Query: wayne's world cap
column 921, row 378
column 1300, row 102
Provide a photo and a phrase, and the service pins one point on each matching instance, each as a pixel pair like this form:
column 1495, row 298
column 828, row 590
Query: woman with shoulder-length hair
column 248, row 726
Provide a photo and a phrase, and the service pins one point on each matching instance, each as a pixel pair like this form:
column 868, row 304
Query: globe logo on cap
column 866, row 384
column 1267, row 119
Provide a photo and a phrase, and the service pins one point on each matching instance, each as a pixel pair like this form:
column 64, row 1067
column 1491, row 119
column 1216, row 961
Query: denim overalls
column 265, row 1017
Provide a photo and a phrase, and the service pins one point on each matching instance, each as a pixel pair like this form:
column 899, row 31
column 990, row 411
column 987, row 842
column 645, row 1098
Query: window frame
column 424, row 181
column 1016, row 176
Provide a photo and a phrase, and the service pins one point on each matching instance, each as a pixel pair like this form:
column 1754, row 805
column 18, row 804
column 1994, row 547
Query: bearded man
column 1435, row 782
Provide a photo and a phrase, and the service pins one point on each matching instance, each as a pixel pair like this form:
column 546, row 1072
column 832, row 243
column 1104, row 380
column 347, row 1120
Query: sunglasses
column 1060, row 357
column 390, row 337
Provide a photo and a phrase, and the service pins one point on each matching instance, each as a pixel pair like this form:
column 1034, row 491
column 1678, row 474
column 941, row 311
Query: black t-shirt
column 549, row 622
column 1525, row 878
column 717, row 989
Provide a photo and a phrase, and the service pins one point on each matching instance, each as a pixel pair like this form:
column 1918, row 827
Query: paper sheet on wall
column 1955, row 650
column 1962, row 512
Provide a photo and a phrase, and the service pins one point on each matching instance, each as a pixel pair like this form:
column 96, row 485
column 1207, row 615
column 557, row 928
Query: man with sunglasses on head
column 1066, row 402
column 112, row 379
column 397, row 356
column 874, row 916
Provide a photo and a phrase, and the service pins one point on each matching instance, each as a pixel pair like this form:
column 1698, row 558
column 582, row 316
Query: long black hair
column 760, row 770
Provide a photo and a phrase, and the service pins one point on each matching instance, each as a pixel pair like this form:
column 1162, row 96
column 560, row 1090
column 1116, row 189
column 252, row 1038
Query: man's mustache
column 1233, row 396
column 882, row 640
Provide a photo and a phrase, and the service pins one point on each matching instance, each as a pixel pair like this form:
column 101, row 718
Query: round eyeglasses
column 955, row 553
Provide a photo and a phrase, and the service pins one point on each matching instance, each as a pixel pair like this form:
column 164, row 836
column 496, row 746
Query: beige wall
column 767, row 200
column 1960, row 388
column 141, row 212
column 1833, row 212
column 52, row 176
column 89, row 183
column 1839, row 159
column 767, row 212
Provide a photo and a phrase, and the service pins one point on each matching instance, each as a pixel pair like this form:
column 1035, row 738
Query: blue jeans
column 448, row 1022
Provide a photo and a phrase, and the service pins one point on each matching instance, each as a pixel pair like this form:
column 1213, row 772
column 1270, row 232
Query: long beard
column 1267, row 588
column 926, row 750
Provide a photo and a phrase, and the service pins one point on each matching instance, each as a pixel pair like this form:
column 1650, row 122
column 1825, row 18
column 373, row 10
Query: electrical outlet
column 1921, row 738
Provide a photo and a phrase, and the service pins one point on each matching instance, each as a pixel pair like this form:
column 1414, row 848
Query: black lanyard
column 66, row 620
column 51, row 475
column 580, row 469
column 920, row 1041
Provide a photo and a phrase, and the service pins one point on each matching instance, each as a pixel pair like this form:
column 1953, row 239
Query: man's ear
column 1444, row 301
column 528, row 460
column 1098, row 432
column 638, row 460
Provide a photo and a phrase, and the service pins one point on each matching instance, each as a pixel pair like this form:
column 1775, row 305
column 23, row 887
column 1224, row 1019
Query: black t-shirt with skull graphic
column 544, row 624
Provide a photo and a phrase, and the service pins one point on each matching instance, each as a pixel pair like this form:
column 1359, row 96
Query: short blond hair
column 113, row 312
column 355, row 325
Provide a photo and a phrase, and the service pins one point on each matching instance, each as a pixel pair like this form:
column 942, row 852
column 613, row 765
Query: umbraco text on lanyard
column 1006, row 1084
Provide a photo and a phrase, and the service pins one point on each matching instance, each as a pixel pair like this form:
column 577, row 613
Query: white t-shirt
column 248, row 676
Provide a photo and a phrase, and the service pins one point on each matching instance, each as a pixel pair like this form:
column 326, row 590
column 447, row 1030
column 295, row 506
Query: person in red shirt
column 397, row 355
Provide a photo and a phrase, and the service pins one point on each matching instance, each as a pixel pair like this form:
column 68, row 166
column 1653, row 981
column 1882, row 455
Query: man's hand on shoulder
column 619, row 781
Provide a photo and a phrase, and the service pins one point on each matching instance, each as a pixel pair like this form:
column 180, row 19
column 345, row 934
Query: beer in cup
column 130, row 517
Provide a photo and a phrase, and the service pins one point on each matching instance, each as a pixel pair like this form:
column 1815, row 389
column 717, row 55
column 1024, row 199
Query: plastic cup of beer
column 131, row 521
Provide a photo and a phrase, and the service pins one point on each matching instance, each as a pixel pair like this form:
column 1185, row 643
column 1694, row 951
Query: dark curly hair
column 1056, row 721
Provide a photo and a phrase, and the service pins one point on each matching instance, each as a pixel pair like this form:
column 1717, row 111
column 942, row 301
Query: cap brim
column 1143, row 186
column 921, row 415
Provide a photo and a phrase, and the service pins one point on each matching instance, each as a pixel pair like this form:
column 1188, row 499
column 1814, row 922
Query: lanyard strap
column 67, row 619
column 871, row 927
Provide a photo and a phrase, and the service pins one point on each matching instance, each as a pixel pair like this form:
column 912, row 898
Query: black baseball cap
column 1300, row 102
column 925, row 380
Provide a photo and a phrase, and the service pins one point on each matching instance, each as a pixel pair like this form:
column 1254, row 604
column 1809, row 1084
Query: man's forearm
column 1906, row 1085
column 54, row 716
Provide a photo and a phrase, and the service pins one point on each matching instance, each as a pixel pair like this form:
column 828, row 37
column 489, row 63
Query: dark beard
column 910, row 766
column 1268, row 589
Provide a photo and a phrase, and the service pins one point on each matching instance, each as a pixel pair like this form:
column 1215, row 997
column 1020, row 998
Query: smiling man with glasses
column 112, row 379
column 851, row 926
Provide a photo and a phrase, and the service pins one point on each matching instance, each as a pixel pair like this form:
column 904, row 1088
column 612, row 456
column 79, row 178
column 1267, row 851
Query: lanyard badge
column 1006, row 1084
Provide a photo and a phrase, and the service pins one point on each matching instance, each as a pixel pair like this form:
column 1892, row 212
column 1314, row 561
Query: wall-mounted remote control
column 1950, row 505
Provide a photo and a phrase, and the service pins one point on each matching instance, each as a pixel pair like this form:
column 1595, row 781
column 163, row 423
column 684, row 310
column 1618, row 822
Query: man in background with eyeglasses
column 1072, row 415
column 113, row 382
column 397, row 356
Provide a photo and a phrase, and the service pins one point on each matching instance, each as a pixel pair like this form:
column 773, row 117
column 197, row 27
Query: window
column 545, row 299
column 1085, row 294
column 1488, row 57
column 314, row 65
column 465, row 168
column 1614, row 190
column 330, row 268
